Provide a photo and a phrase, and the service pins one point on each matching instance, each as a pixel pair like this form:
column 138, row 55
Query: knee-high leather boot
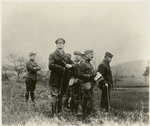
column 32, row 96
column 27, row 96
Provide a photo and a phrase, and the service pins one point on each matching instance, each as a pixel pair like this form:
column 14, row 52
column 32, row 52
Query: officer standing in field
column 59, row 64
column 106, row 82
column 87, row 76
column 31, row 78
column 74, row 95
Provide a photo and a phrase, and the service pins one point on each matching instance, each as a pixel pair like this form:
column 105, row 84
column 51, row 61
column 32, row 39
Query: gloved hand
column 68, row 66
column 106, row 84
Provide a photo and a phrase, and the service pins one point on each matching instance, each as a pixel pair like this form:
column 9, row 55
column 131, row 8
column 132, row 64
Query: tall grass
column 15, row 111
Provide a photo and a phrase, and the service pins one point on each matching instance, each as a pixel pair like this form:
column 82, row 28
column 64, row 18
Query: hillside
column 135, row 68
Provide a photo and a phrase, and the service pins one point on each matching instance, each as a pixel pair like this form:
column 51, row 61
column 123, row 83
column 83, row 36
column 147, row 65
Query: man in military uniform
column 106, row 82
column 59, row 64
column 74, row 92
column 87, row 76
column 31, row 78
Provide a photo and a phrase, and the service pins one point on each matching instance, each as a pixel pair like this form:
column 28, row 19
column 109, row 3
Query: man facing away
column 31, row 78
column 106, row 82
column 59, row 64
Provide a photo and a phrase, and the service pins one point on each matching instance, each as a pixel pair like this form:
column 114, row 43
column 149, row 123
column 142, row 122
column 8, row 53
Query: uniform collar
column 106, row 61
column 87, row 60
column 59, row 53
column 31, row 60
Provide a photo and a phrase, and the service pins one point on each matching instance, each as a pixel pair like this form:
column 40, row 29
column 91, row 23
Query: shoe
column 33, row 101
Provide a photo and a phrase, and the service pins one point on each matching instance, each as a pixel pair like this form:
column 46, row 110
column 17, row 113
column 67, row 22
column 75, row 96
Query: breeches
column 30, row 84
column 56, row 100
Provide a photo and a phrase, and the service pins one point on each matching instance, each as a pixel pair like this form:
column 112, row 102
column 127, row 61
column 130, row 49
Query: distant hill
column 135, row 68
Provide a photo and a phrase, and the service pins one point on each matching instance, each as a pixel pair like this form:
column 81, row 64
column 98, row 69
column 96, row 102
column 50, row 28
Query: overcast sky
column 118, row 27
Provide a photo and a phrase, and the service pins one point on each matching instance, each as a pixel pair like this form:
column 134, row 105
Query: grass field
column 128, row 107
column 130, row 99
column 132, row 82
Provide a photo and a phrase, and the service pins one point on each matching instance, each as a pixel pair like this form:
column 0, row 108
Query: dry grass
column 133, row 82
column 16, row 112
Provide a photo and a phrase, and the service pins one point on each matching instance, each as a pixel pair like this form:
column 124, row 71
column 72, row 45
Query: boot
column 66, row 106
column 83, row 117
column 27, row 96
column 76, row 104
column 32, row 96
column 59, row 106
column 89, row 108
column 53, row 108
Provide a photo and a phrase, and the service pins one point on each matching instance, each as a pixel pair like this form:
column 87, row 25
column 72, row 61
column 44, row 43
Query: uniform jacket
column 76, row 69
column 104, row 69
column 56, row 67
column 86, row 71
column 32, row 73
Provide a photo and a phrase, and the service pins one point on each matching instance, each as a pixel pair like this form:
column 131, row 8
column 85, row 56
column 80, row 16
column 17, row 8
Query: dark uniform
column 59, row 76
column 74, row 89
column 31, row 78
column 105, row 71
column 87, row 74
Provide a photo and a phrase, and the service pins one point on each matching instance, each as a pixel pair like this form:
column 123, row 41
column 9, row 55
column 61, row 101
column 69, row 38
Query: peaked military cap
column 88, row 51
column 108, row 54
column 67, row 54
column 77, row 53
column 60, row 39
column 32, row 53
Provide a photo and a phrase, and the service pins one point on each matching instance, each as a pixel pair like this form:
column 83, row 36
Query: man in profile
column 106, row 80
column 74, row 93
column 87, row 77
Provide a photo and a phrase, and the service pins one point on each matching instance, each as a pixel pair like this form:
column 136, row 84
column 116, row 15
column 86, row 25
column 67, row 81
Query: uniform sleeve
column 53, row 66
column 101, row 69
column 30, row 67
column 71, row 62
column 38, row 68
column 83, row 74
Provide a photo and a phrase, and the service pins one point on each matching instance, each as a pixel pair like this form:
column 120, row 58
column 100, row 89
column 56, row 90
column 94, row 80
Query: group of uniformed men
column 72, row 81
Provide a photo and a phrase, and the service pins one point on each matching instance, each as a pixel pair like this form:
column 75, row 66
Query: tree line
column 16, row 67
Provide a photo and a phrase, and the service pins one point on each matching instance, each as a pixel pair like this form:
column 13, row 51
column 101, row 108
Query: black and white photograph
column 75, row 63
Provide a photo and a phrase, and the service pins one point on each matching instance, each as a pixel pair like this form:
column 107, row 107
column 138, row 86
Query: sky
column 121, row 28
